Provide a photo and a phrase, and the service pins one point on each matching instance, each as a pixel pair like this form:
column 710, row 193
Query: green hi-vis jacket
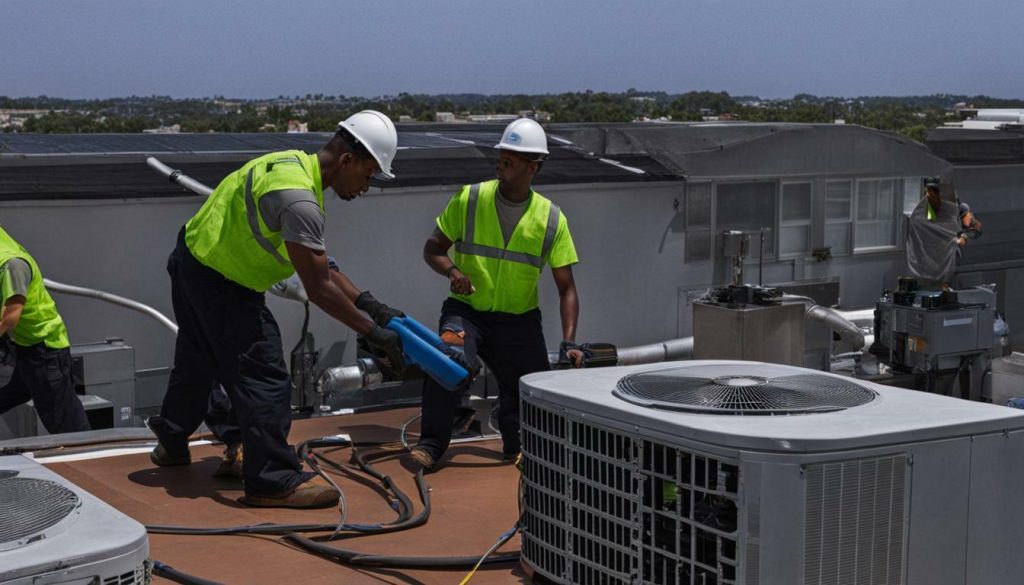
column 505, row 276
column 40, row 322
column 228, row 233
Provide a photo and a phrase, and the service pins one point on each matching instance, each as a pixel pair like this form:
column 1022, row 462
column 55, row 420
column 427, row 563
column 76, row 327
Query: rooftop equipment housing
column 746, row 473
column 53, row 532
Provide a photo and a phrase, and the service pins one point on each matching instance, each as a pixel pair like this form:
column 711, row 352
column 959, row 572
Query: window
column 698, row 221
column 838, row 215
column 747, row 207
column 795, row 220
column 877, row 209
column 913, row 191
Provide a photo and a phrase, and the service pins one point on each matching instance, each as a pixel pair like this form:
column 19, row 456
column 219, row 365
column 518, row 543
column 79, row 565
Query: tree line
column 911, row 116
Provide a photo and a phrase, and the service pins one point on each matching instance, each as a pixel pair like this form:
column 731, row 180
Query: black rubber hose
column 403, row 522
column 351, row 557
column 169, row 572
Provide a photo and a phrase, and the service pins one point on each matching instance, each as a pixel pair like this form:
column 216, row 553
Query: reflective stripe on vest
column 468, row 247
column 229, row 235
column 254, row 220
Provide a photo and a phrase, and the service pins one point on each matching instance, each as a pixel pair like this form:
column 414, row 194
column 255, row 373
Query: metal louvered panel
column 30, row 506
column 612, row 508
column 856, row 522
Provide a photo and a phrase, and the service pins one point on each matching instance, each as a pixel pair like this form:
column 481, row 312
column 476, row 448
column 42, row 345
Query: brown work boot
column 231, row 464
column 159, row 456
column 312, row 493
column 423, row 458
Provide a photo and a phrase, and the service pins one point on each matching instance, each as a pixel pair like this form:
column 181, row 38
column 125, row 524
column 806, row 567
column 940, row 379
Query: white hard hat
column 378, row 135
column 526, row 136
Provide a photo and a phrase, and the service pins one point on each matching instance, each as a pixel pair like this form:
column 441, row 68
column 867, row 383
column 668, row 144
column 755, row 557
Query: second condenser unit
column 745, row 473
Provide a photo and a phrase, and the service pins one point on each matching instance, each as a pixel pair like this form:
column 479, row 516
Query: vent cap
column 741, row 389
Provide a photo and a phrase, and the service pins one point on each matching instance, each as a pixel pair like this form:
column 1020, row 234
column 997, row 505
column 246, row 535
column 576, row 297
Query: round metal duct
column 740, row 390
column 29, row 506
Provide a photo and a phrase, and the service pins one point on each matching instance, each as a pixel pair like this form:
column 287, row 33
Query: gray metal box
column 932, row 339
column 22, row 420
column 107, row 369
column 770, row 333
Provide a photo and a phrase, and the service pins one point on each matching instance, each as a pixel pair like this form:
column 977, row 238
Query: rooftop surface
column 473, row 499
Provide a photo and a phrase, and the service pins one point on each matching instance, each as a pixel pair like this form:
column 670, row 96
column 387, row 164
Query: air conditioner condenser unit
column 53, row 532
column 746, row 473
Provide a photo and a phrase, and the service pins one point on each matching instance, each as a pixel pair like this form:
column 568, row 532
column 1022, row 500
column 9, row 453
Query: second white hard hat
column 377, row 133
column 526, row 136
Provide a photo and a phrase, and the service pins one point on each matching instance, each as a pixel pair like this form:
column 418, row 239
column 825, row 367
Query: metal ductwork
column 831, row 319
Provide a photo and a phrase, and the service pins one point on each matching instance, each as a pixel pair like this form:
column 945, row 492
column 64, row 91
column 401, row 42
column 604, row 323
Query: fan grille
column 741, row 392
column 29, row 506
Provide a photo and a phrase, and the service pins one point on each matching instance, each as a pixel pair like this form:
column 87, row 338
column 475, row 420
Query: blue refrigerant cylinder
column 422, row 347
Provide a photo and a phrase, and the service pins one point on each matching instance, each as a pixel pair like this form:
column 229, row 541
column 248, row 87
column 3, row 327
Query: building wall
column 632, row 277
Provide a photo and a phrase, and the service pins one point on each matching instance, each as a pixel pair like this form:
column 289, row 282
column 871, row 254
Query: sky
column 262, row 49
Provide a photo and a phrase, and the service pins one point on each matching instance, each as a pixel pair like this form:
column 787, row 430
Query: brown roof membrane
column 473, row 499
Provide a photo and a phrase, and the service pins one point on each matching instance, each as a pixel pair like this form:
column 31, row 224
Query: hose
column 169, row 572
column 351, row 557
column 113, row 299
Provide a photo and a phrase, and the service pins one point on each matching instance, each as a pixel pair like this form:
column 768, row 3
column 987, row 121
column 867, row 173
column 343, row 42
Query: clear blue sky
column 256, row 48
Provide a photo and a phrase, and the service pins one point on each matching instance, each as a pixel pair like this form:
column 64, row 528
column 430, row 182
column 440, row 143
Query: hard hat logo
column 513, row 138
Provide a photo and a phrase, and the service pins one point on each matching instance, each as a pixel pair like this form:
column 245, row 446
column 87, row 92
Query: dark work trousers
column 220, row 417
column 44, row 376
column 226, row 334
column 511, row 346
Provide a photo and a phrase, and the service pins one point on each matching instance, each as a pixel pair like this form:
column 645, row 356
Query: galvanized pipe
column 663, row 351
column 113, row 299
column 178, row 178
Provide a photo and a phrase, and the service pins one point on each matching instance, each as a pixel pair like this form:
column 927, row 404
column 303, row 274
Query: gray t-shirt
column 509, row 213
column 296, row 214
column 15, row 276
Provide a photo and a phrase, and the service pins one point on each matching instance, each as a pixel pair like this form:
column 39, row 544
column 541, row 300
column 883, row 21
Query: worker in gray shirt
column 42, row 371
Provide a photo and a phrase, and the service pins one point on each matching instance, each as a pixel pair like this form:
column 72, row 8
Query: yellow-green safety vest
column 505, row 276
column 40, row 322
column 228, row 233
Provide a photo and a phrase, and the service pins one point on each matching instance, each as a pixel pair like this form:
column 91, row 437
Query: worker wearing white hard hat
column 504, row 233
column 263, row 223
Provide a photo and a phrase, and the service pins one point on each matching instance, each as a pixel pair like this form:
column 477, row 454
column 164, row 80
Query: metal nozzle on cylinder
column 347, row 381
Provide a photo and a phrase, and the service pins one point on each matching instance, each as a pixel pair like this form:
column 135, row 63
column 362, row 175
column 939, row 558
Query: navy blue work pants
column 43, row 375
column 511, row 346
column 228, row 335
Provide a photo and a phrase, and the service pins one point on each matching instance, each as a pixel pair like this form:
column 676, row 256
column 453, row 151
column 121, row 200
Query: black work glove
column 378, row 311
column 390, row 344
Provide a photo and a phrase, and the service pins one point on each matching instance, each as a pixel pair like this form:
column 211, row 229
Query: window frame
column 783, row 223
column 897, row 214
column 826, row 221
column 772, row 237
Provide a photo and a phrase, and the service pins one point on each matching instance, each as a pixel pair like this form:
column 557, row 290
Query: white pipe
column 663, row 351
column 178, row 178
column 113, row 299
